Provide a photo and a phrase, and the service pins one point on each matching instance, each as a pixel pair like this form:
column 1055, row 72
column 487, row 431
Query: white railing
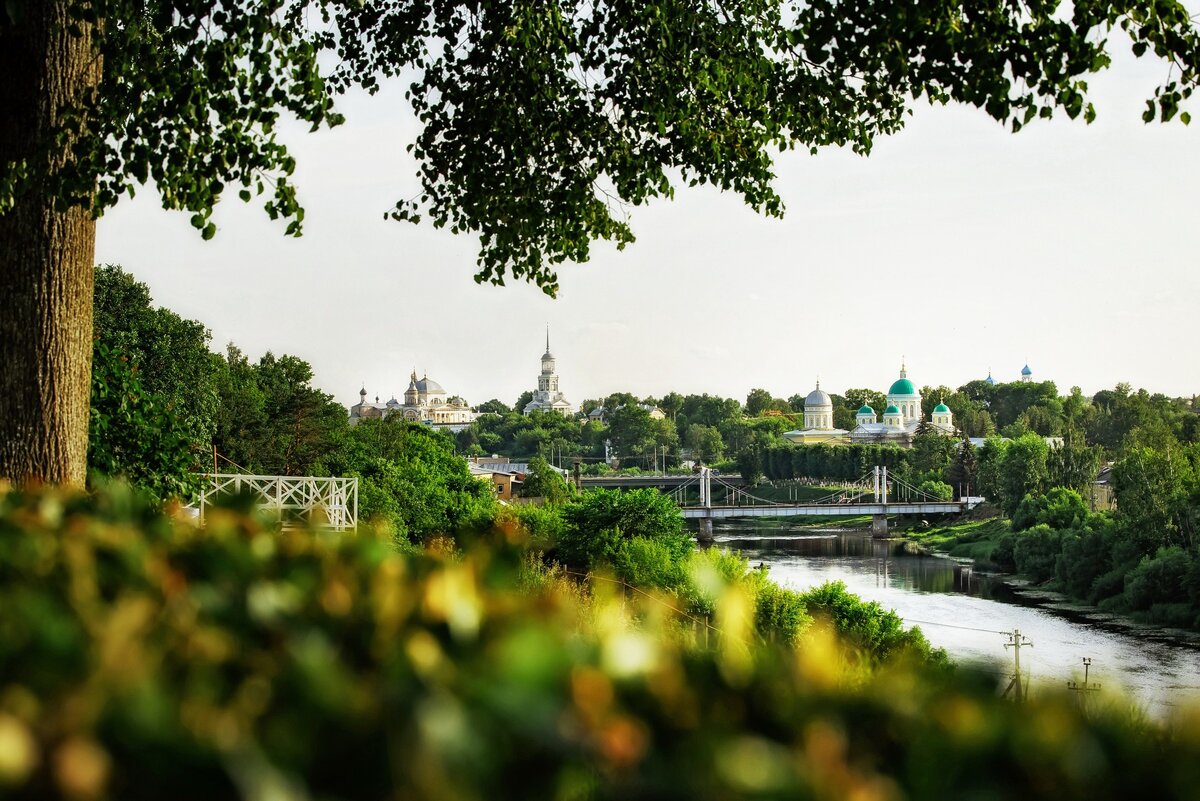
column 293, row 500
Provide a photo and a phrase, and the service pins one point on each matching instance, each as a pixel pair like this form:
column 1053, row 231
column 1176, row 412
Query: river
column 964, row 610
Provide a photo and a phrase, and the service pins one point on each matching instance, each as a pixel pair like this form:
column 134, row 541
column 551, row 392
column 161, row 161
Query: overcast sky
column 955, row 244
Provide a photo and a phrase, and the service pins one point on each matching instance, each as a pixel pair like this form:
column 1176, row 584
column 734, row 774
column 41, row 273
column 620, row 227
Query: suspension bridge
column 876, row 493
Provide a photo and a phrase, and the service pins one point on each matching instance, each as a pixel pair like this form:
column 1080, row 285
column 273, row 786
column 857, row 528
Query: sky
column 956, row 246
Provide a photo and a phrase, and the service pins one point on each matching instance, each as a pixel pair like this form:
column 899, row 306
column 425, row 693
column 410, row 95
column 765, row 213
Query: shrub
column 1035, row 552
column 417, row 484
column 597, row 521
column 1108, row 589
column 780, row 614
column 536, row 527
column 1085, row 557
column 710, row 571
column 1182, row 615
column 936, row 489
column 878, row 633
column 660, row 562
column 1159, row 579
column 1002, row 554
column 1060, row 508
column 141, row 658
column 586, row 549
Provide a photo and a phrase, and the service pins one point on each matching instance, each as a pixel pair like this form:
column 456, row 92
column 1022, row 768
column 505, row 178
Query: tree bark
column 46, row 253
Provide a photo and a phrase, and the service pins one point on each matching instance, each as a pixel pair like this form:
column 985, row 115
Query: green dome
column 941, row 407
column 866, row 410
column 902, row 387
column 892, row 409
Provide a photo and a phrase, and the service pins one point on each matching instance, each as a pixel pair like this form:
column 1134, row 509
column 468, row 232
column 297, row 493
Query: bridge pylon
column 879, row 522
column 706, row 525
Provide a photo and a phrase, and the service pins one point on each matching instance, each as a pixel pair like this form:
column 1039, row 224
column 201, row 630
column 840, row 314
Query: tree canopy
column 541, row 123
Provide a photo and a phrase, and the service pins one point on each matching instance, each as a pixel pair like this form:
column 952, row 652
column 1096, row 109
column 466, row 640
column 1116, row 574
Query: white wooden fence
column 293, row 500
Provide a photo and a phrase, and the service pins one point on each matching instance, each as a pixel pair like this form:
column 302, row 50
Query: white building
column 425, row 401
column 818, row 420
column 548, row 397
column 899, row 424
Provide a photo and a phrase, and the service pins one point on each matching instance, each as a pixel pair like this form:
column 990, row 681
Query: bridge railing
column 293, row 501
column 873, row 487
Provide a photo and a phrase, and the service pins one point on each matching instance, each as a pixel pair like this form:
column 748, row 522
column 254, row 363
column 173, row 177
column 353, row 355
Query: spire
column 818, row 382
column 903, row 367
column 547, row 337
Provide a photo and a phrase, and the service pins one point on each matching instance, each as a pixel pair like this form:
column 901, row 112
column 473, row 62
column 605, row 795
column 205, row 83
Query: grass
column 975, row 539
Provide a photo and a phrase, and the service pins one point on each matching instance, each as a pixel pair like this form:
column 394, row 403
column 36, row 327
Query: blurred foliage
column 141, row 658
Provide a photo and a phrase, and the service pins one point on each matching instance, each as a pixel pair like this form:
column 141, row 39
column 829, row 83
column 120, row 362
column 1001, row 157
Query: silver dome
column 818, row 398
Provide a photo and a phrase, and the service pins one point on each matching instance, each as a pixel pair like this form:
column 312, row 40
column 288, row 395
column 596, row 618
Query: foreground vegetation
column 142, row 658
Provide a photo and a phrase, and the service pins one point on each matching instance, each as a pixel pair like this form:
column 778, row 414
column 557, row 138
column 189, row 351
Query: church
column 899, row 424
column 548, row 397
column 425, row 401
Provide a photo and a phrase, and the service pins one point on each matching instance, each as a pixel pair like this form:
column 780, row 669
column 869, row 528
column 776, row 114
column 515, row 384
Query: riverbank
column 968, row 611
column 983, row 541
column 973, row 539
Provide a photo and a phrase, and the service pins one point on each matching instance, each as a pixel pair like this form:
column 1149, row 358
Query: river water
column 964, row 611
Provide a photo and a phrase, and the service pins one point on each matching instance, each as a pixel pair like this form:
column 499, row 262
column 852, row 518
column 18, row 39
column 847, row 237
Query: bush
column 1108, row 589
column 660, row 562
column 1085, row 557
column 536, row 527
column 1160, row 579
column 1002, row 554
column 1060, row 508
column 1035, row 552
column 877, row 633
column 936, row 489
column 597, row 521
column 780, row 614
column 1181, row 615
column 143, row 659
column 710, row 572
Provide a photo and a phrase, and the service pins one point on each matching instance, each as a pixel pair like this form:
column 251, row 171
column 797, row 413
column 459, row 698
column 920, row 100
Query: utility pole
column 1084, row 688
column 1016, row 641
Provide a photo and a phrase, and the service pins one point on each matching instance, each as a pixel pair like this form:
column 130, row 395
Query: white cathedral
column 899, row 424
column 548, row 397
column 425, row 401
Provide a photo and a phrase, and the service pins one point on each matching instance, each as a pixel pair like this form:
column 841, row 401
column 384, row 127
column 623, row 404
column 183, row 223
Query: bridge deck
column 824, row 510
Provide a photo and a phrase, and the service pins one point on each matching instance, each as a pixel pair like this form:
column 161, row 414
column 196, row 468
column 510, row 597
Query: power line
column 952, row 626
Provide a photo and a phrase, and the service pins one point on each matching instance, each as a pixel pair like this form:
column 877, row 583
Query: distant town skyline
column 956, row 244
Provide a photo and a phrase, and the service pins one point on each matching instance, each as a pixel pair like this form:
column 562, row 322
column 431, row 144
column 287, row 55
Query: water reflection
column 965, row 611
column 895, row 563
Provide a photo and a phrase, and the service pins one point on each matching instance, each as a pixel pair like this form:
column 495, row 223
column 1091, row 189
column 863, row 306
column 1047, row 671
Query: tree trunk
column 46, row 254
